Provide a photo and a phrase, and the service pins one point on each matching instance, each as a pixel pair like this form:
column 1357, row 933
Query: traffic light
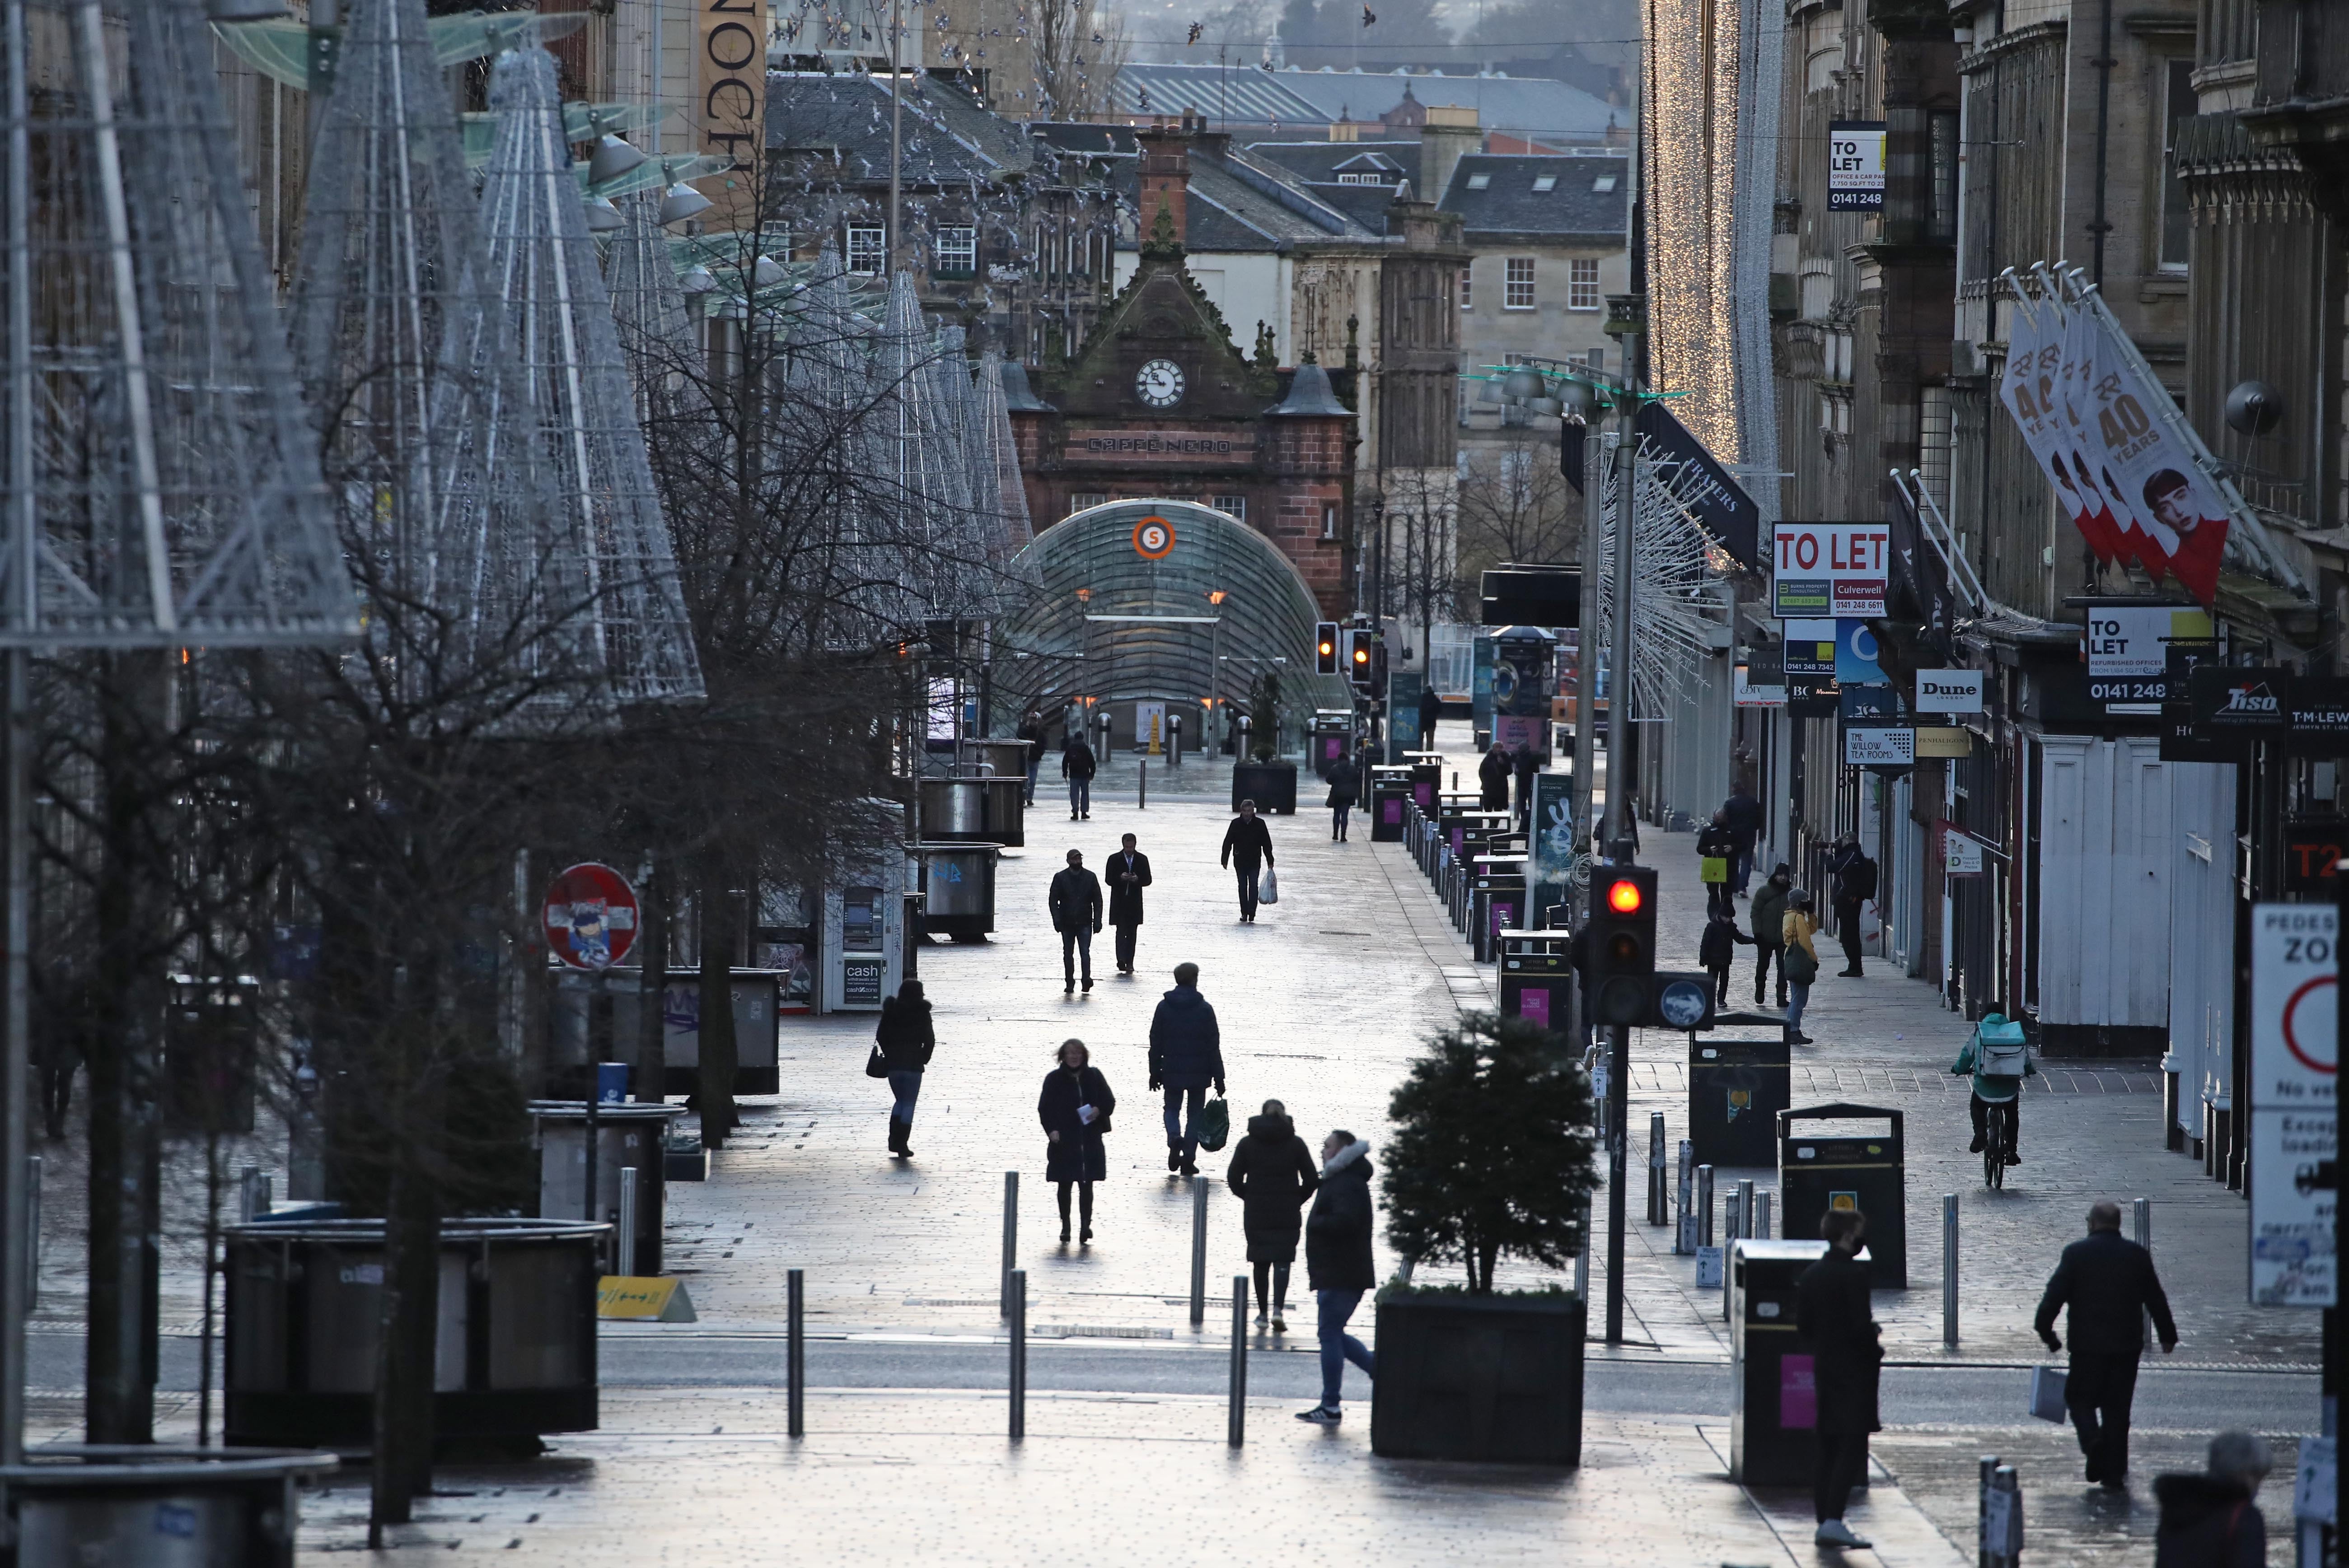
column 1622, row 922
column 1325, row 648
column 1359, row 643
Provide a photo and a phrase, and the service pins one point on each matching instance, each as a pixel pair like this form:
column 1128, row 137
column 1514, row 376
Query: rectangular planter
column 1485, row 1379
column 1271, row 785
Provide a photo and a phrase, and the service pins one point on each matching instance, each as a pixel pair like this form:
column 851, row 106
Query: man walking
column 1076, row 905
column 1854, row 884
column 1338, row 1266
column 1431, row 708
column 1129, row 874
column 1186, row 1054
column 1744, row 830
column 1831, row 1312
column 1248, row 850
column 1031, row 730
column 1770, row 931
column 2108, row 1284
column 1077, row 767
column 1526, row 763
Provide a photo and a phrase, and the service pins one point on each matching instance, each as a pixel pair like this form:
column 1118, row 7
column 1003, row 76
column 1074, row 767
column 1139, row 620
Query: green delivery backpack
column 1214, row 1124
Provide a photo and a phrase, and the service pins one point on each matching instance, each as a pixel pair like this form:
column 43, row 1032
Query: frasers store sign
column 1828, row 569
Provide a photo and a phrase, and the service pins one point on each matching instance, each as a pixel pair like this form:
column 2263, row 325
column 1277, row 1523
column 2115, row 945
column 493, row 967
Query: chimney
column 1448, row 135
column 1165, row 176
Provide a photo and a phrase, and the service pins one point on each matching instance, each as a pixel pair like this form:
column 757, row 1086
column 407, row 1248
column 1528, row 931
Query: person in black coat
column 1248, row 850
column 1714, row 841
column 1524, row 762
column 1745, row 815
column 1717, row 950
column 905, row 1040
column 2211, row 1521
column 1272, row 1171
column 1431, row 708
column 1854, row 884
column 1077, row 767
column 1831, row 1312
column 1338, row 1266
column 1186, row 1054
column 1493, row 778
column 1129, row 872
column 1075, row 901
column 1345, row 789
column 2108, row 1284
column 1074, row 1107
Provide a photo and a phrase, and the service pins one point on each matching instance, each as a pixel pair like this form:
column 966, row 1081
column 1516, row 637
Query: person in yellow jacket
column 1800, row 964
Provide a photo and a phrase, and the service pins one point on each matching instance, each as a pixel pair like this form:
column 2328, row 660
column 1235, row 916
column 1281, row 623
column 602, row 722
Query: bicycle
column 1999, row 1147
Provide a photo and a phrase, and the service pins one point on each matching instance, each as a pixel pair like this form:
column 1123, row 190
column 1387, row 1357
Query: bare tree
column 1077, row 50
column 1515, row 505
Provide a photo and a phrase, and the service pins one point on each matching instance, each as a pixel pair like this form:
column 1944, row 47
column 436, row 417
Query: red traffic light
column 1624, row 897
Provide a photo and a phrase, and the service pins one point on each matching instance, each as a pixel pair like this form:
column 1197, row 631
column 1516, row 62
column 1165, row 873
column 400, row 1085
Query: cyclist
column 2000, row 1059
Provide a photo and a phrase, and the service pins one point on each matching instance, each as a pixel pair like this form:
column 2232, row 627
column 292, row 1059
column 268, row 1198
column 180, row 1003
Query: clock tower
column 1160, row 403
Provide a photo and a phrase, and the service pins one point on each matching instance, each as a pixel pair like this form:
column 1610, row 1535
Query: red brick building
column 1161, row 402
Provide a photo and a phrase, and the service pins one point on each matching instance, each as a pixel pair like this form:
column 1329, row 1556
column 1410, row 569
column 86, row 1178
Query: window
column 1545, row 184
column 1479, row 181
column 1233, row 506
column 2175, row 220
column 865, row 247
column 1603, row 184
column 1517, row 283
column 1329, row 522
column 1083, row 499
column 958, row 253
column 1370, row 178
column 1581, row 284
column 1465, row 274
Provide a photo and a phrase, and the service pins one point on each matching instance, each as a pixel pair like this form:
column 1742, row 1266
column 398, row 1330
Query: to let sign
column 2294, row 1131
column 1828, row 570
column 1855, row 165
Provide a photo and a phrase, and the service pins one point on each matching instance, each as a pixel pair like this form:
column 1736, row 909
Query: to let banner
column 1830, row 570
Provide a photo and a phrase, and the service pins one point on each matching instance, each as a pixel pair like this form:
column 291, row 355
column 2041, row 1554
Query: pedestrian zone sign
column 2294, row 1127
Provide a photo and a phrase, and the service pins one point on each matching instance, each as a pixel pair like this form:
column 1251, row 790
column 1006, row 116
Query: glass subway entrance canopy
column 1164, row 601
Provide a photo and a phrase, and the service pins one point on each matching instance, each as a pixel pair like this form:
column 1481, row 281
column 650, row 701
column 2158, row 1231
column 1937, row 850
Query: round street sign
column 591, row 916
column 1154, row 538
column 1682, row 1002
column 2309, row 1026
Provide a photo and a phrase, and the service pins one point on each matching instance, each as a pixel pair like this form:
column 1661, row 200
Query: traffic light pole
column 1619, row 1143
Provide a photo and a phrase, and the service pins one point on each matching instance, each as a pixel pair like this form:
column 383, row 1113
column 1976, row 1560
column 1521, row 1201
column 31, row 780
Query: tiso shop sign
column 1828, row 570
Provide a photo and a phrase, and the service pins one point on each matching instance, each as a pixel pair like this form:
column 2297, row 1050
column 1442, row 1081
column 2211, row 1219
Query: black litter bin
column 1737, row 1090
column 164, row 1507
column 1773, row 1394
column 1537, row 981
column 1390, row 793
column 1848, row 1169
column 1499, row 895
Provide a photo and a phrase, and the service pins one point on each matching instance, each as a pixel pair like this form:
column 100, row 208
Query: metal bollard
column 2141, row 1226
column 246, row 1177
column 2003, row 1513
column 1684, row 1232
column 795, row 1349
column 1705, row 1205
column 627, row 1237
column 1658, row 1207
column 1198, row 1251
column 1733, row 1229
column 1010, row 1236
column 1987, row 1467
column 1761, row 1216
column 1141, row 786
column 1948, row 1270
column 1018, row 1293
column 1236, row 1421
column 1745, row 1209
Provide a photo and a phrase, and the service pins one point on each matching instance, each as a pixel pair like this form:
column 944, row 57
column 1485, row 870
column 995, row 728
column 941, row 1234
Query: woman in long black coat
column 1831, row 1312
column 905, row 1037
column 1274, row 1174
column 1074, row 1107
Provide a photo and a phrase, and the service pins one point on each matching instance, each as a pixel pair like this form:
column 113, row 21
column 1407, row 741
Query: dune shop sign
column 730, row 99
column 1828, row 570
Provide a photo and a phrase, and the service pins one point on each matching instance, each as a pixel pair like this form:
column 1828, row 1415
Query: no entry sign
column 591, row 916
column 2294, row 1131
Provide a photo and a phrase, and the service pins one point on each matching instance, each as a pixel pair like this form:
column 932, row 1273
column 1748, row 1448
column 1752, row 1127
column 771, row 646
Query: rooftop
column 1523, row 105
column 1559, row 197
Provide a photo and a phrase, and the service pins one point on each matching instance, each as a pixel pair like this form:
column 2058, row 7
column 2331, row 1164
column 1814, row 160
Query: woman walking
column 1799, row 964
column 905, row 1040
column 1345, row 789
column 1074, row 1109
column 1273, row 1172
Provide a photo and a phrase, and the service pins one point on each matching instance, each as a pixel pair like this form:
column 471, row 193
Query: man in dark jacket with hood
column 2209, row 1520
column 1186, row 1054
column 1493, row 777
column 1077, row 765
column 1431, row 708
column 1273, row 1172
column 1338, row 1266
column 1854, row 885
column 1831, row 1312
column 1248, row 850
column 1714, row 841
column 1744, row 814
column 1770, row 931
column 1075, row 900
column 2107, row 1282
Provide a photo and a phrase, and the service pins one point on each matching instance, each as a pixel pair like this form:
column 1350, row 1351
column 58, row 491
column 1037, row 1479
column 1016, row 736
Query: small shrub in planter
column 1490, row 1159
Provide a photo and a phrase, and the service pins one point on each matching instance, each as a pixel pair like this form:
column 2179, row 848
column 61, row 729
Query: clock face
column 1160, row 384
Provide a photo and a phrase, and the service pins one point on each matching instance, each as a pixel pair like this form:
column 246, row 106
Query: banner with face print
column 2146, row 459
column 2075, row 382
column 2035, row 363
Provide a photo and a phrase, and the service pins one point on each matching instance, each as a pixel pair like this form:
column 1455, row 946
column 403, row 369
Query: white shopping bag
column 2047, row 1394
column 1267, row 889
